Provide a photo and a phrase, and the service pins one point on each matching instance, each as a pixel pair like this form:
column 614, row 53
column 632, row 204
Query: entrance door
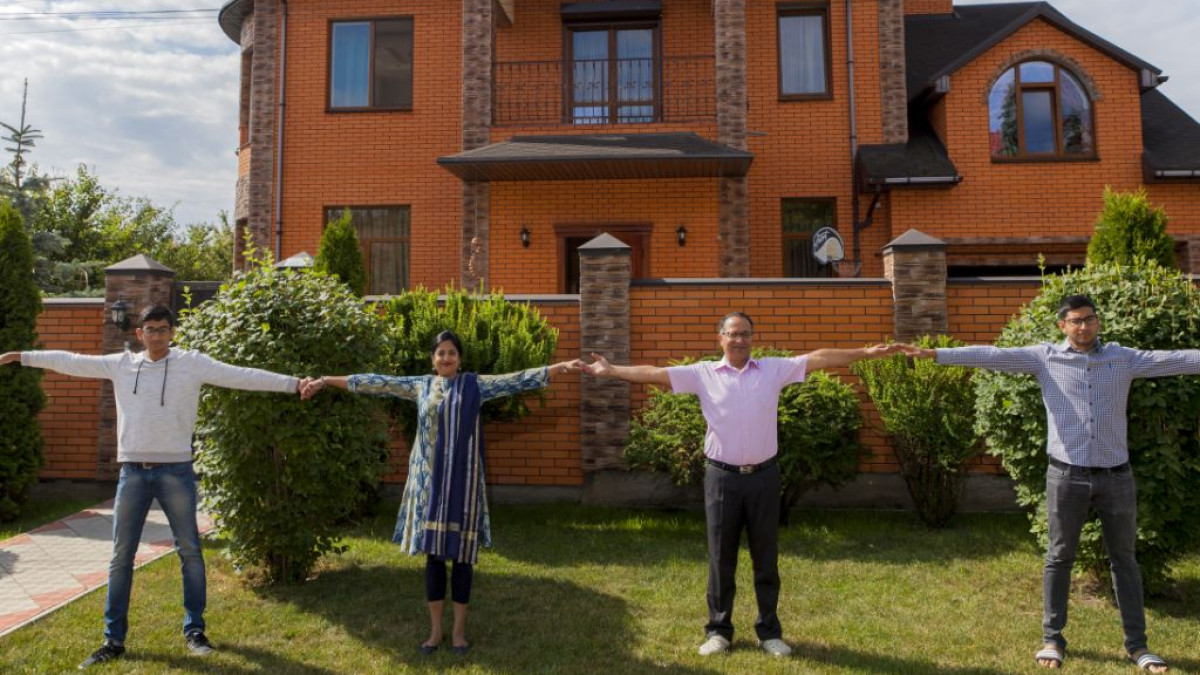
column 571, row 237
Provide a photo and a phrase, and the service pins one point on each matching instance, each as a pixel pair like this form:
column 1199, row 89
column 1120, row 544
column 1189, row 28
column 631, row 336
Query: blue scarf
column 456, row 495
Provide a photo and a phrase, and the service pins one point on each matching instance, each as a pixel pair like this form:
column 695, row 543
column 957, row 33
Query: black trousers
column 461, row 576
column 733, row 501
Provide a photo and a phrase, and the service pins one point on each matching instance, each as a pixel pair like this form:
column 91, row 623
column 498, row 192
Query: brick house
column 485, row 140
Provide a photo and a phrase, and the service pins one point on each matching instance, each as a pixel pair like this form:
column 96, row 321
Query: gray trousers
column 732, row 502
column 1070, row 493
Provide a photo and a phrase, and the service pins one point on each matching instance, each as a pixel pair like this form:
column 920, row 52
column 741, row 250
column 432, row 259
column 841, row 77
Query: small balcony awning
column 668, row 155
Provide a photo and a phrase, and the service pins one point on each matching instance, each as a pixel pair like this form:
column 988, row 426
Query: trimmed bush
column 1130, row 229
column 339, row 254
column 497, row 336
column 280, row 473
column 928, row 412
column 20, row 388
column 1148, row 307
column 818, row 434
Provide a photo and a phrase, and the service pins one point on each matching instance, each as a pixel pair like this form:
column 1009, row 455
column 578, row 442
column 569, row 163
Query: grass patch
column 43, row 508
column 570, row 589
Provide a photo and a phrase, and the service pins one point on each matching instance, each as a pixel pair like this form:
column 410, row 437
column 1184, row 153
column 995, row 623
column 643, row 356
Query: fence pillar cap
column 138, row 263
column 605, row 242
column 914, row 240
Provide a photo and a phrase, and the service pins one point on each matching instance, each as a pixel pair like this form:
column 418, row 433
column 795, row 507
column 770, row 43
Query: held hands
column 914, row 351
column 309, row 387
column 564, row 367
column 882, row 350
column 599, row 367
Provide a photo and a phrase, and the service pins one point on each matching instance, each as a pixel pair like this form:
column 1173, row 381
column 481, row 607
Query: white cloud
column 153, row 108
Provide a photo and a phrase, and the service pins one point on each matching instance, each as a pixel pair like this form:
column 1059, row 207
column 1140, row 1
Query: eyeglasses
column 1083, row 321
column 165, row 330
column 738, row 335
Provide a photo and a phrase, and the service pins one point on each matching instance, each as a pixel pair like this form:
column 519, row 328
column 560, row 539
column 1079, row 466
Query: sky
column 149, row 102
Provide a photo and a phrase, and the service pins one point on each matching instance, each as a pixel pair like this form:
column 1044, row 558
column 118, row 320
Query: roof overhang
column 605, row 156
column 231, row 17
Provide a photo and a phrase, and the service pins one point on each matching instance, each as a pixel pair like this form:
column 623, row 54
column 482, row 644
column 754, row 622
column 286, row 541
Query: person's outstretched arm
column 67, row 363
column 600, row 367
column 836, row 358
column 407, row 387
column 224, row 375
column 1003, row 359
column 498, row 386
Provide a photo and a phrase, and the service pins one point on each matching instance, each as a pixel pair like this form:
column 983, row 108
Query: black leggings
column 435, row 580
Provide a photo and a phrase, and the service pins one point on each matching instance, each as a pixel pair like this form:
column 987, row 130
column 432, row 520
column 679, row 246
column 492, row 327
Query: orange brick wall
column 376, row 158
column 540, row 205
column 1037, row 198
column 928, row 6
column 70, row 420
column 802, row 148
column 542, row 448
column 978, row 310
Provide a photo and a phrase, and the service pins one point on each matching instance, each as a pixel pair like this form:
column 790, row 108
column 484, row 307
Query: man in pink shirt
column 740, row 399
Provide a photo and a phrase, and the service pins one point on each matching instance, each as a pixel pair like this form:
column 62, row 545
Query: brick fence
column 580, row 427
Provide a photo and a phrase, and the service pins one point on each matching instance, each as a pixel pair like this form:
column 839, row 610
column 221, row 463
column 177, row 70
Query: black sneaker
column 109, row 651
column 198, row 645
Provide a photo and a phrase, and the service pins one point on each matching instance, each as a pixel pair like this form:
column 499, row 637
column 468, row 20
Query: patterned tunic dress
column 427, row 391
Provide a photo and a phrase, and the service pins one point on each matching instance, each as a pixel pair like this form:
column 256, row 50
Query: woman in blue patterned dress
column 443, row 513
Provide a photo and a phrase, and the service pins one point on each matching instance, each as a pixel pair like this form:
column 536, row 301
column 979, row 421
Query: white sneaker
column 715, row 644
column 776, row 647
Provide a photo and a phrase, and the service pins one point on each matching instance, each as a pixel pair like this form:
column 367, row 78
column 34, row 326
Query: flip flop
column 1054, row 654
column 1148, row 660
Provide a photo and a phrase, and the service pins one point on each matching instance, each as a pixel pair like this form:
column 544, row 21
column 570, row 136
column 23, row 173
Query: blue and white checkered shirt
column 1085, row 393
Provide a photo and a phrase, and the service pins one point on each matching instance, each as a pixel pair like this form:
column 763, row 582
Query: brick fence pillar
column 733, row 197
column 139, row 282
column 915, row 263
column 478, row 36
column 604, row 273
column 259, row 189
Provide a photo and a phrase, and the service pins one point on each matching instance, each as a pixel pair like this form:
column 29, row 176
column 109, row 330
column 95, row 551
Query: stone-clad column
column 139, row 282
column 892, row 68
column 478, row 30
column 915, row 263
column 733, row 199
column 604, row 274
column 264, row 73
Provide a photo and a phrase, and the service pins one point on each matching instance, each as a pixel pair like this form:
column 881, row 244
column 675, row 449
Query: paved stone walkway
column 46, row 568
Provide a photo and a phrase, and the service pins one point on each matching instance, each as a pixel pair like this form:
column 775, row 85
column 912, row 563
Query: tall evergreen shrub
column 818, row 428
column 1145, row 307
column 20, row 388
column 928, row 412
column 279, row 473
column 339, row 254
column 1129, row 229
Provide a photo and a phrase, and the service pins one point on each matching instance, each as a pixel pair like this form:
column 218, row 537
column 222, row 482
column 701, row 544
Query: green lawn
column 586, row 590
column 47, row 507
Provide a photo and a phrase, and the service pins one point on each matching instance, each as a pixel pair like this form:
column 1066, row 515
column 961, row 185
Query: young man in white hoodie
column 157, row 392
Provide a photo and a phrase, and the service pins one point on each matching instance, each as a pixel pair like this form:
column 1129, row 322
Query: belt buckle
column 746, row 469
column 147, row 466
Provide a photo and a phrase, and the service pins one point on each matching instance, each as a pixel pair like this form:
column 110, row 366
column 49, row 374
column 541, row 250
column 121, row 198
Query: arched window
column 1037, row 110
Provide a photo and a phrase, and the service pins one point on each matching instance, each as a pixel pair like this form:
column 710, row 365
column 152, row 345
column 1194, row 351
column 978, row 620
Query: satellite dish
column 827, row 246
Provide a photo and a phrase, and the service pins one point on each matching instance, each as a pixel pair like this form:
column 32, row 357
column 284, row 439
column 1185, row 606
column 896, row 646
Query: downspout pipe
column 854, row 206
column 279, row 130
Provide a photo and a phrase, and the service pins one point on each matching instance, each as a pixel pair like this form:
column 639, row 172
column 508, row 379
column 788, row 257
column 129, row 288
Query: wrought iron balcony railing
column 604, row 91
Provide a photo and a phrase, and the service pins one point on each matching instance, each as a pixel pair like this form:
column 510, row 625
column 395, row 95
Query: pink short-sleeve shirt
column 740, row 406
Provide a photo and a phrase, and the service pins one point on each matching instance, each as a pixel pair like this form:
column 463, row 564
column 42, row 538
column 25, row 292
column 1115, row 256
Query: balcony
column 604, row 91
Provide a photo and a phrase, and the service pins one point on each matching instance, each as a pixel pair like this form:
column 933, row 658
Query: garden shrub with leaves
column 498, row 336
column 339, row 254
column 21, row 394
column 818, row 434
column 928, row 412
column 1144, row 307
column 277, row 472
column 1130, row 229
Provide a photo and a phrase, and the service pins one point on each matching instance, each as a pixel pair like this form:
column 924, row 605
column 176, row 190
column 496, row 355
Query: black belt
column 743, row 469
column 152, row 465
column 1075, row 468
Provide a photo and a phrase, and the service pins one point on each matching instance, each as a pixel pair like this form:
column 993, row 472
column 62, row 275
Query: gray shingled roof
column 939, row 44
column 1170, row 137
column 231, row 17
column 922, row 162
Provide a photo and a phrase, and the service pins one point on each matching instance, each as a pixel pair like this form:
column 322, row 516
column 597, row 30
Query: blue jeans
column 174, row 486
column 1113, row 495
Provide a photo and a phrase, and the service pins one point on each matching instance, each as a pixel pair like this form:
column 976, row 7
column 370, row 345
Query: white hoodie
column 156, row 423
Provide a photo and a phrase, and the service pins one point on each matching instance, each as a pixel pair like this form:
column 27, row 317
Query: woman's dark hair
column 445, row 336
